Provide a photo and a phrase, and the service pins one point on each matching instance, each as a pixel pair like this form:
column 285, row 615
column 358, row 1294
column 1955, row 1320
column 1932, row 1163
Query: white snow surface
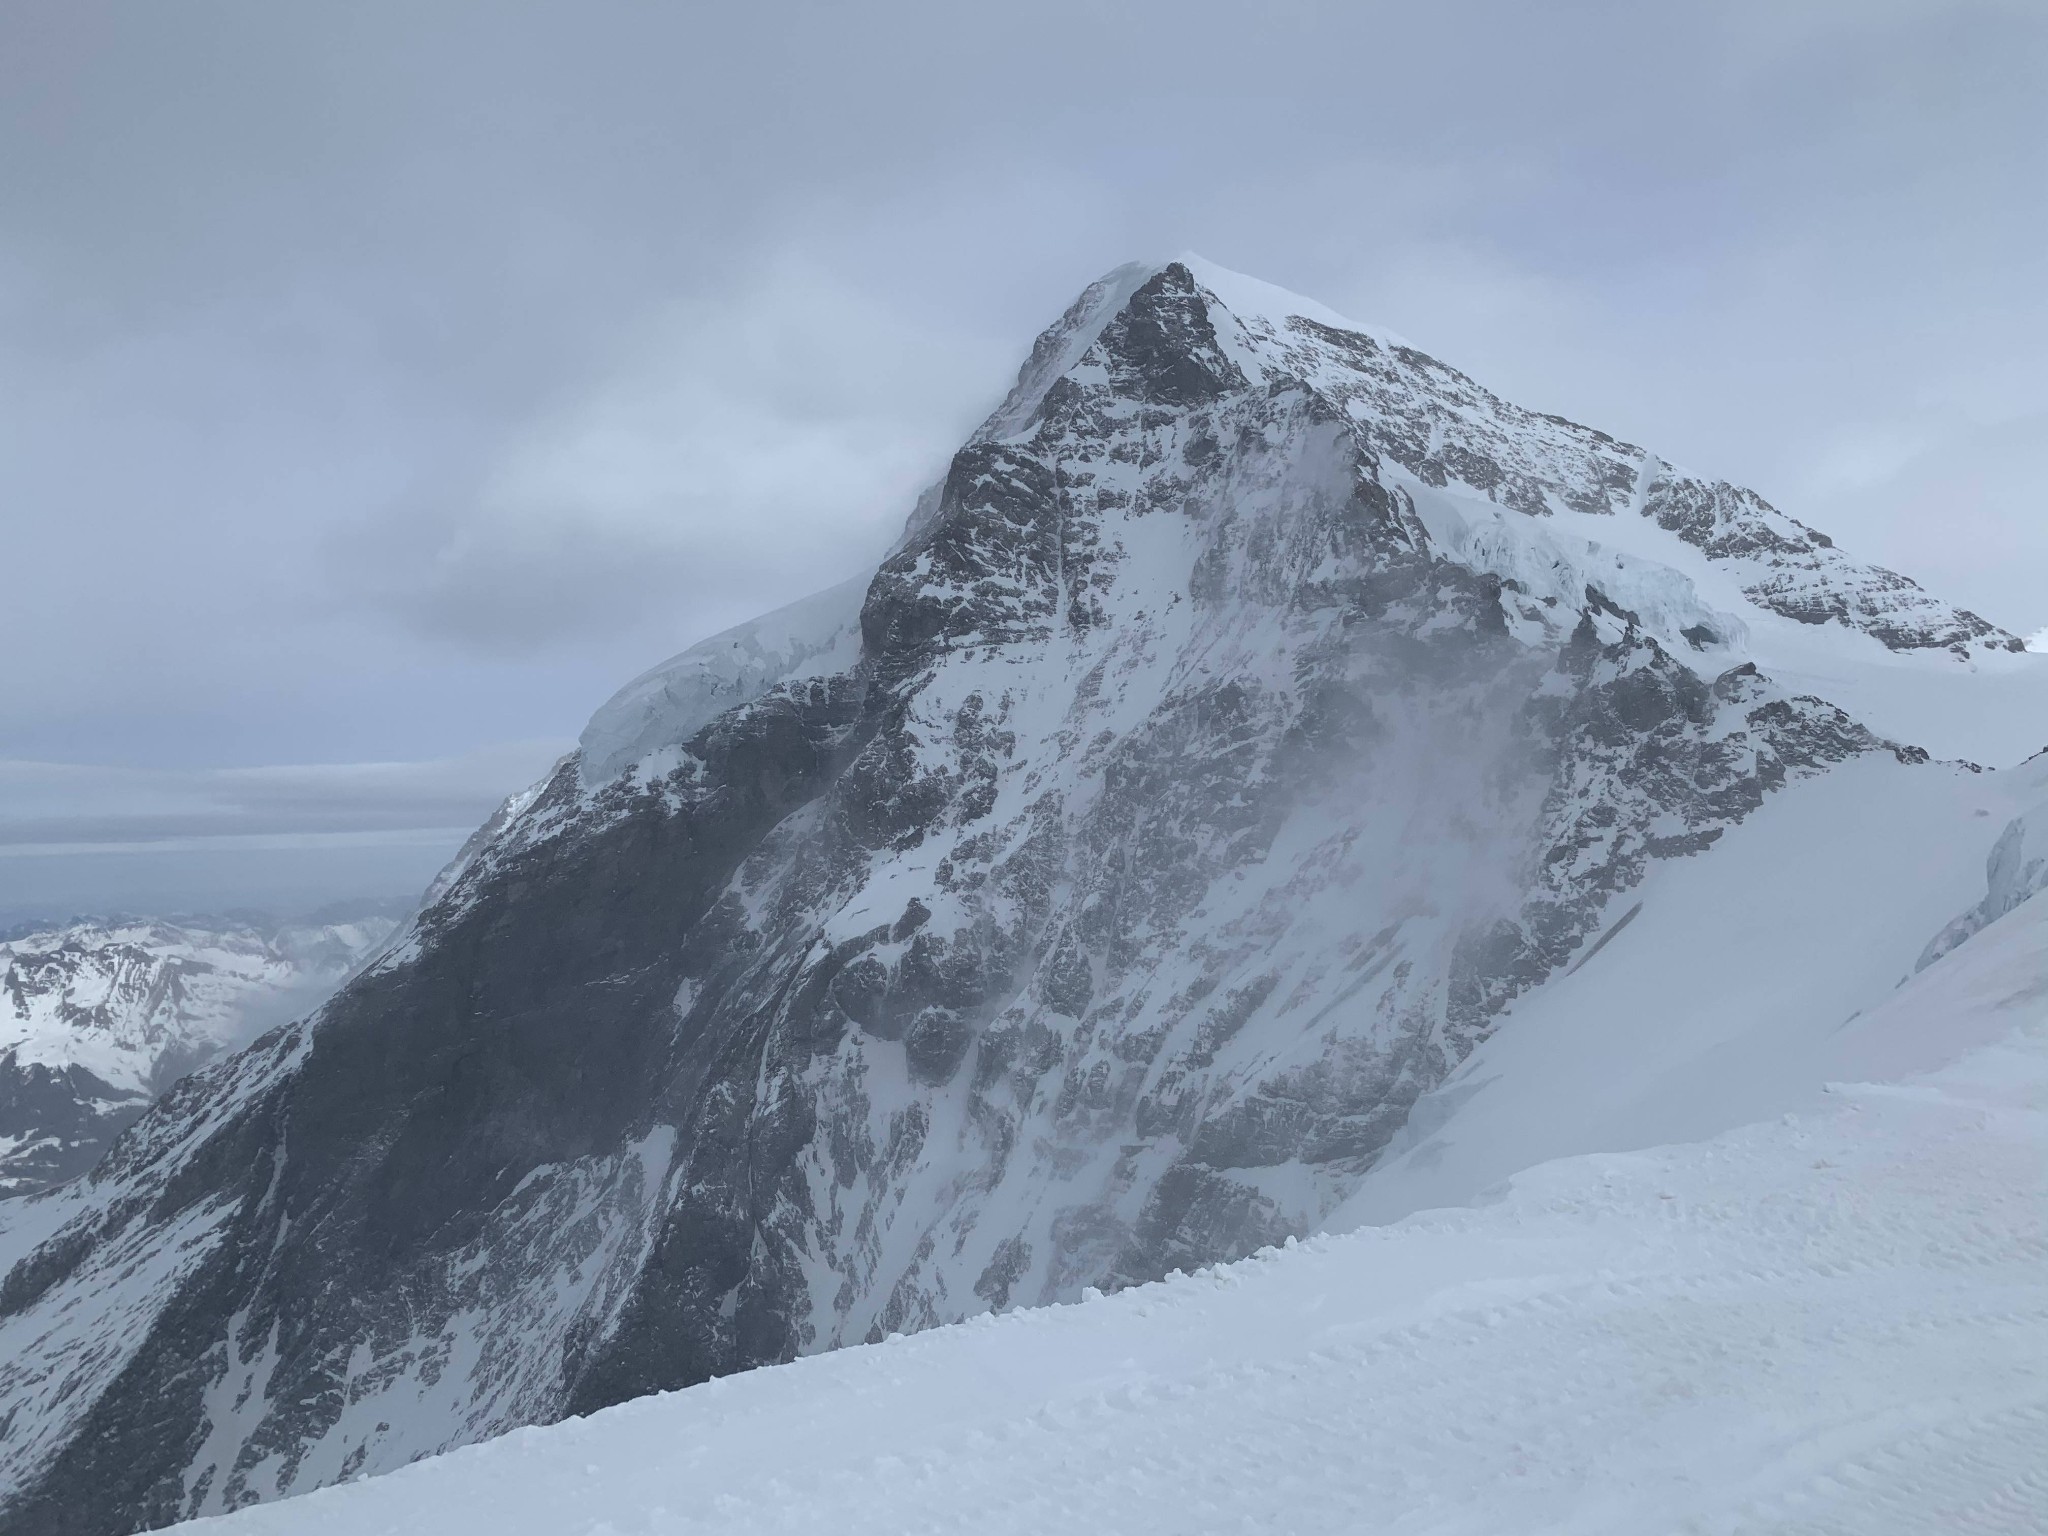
column 1835, row 1321
column 1255, row 299
column 815, row 636
column 1991, row 709
column 1723, row 987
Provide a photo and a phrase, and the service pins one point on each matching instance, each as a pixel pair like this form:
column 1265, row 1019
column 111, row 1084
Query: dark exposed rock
column 58, row 1120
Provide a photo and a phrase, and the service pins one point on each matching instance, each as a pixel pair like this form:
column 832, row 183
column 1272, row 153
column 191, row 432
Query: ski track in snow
column 1836, row 1322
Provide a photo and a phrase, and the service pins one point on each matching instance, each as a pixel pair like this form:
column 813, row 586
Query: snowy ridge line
column 813, row 637
column 1451, row 443
column 1446, row 430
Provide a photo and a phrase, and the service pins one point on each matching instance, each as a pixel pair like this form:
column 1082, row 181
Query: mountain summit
column 1256, row 712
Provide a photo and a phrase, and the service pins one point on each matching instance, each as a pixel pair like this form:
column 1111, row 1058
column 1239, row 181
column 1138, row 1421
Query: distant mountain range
column 100, row 1015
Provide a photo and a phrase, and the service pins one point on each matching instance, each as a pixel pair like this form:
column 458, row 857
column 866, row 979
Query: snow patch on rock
column 664, row 706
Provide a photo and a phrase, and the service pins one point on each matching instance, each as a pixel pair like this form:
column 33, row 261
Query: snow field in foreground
column 1835, row 1322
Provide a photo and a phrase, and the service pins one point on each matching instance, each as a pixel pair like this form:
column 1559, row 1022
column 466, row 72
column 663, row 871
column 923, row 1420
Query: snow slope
column 1834, row 1322
column 1721, row 989
column 815, row 636
column 1988, row 706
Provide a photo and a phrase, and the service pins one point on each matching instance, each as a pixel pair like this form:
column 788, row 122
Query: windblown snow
column 664, row 706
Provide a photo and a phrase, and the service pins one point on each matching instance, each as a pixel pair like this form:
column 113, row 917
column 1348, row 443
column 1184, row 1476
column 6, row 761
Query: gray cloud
column 96, row 838
column 82, row 808
column 298, row 878
column 379, row 382
column 733, row 450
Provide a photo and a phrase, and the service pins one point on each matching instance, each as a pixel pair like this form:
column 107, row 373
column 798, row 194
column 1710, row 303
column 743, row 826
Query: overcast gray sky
column 382, row 384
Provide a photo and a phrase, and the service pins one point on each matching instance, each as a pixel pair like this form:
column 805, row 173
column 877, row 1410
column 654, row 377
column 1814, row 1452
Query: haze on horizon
column 385, row 385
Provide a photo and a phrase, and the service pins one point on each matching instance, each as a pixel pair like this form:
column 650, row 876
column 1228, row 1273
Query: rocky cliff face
column 1244, row 721
column 97, row 1018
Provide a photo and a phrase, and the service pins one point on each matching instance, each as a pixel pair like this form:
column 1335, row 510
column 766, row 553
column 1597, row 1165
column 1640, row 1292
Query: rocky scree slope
column 98, row 1017
column 1187, row 793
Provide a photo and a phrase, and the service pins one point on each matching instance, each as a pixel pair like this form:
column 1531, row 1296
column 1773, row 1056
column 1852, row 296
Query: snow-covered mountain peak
column 1254, row 302
column 1256, row 715
column 111, row 997
column 1557, row 514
